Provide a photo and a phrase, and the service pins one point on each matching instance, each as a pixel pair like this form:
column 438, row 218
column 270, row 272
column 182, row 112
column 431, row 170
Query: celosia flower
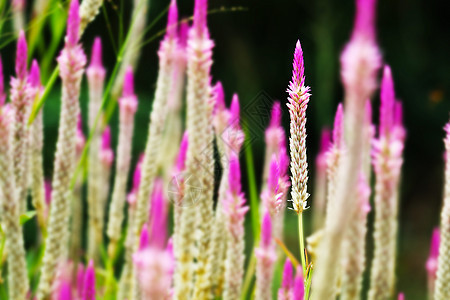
column 128, row 105
column 71, row 64
column 21, row 105
column 234, row 210
column 287, row 284
column 89, row 283
column 387, row 162
column 65, row 291
column 299, row 285
column 298, row 102
column 144, row 240
column 401, row 296
column 265, row 259
column 271, row 197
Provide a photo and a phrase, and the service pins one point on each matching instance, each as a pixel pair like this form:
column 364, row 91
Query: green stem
column 302, row 243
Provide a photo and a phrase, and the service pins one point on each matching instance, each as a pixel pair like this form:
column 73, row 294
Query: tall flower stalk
column 21, row 105
column 387, row 162
column 442, row 284
column 71, row 63
column 235, row 210
column 198, row 160
column 156, row 125
column 360, row 62
column 96, row 76
column 128, row 105
column 298, row 102
column 36, row 159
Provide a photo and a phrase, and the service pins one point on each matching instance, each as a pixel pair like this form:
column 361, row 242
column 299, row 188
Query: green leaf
column 27, row 216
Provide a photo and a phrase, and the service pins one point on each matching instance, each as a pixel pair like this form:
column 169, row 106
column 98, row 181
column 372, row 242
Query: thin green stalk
column 302, row 243
column 250, row 271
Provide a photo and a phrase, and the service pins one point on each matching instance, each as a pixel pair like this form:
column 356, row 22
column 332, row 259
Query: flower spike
column 96, row 53
column 387, row 102
column 89, row 283
column 34, row 78
column 200, row 10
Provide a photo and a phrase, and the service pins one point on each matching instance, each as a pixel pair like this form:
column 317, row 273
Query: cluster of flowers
column 204, row 256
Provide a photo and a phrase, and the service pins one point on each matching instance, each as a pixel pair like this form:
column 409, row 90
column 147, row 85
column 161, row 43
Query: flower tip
column 96, row 53
column 387, row 105
column 200, row 9
column 401, row 296
column 172, row 20
column 234, row 110
column 89, row 282
column 21, row 56
column 34, row 78
column 106, row 138
column 298, row 68
column 365, row 18
column 275, row 116
column 73, row 24
column 325, row 140
column 287, row 282
column 128, row 83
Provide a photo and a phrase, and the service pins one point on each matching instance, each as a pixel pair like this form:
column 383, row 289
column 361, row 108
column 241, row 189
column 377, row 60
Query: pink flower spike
column 288, row 271
column 266, row 230
column 325, row 140
column 35, row 77
column 172, row 20
column 2, row 85
column 432, row 261
column 365, row 19
column 338, row 129
column 73, row 24
column 21, row 57
column 96, row 54
column 200, row 9
column 183, row 34
column 65, row 291
column 401, row 296
column 234, row 111
column 387, row 98
column 299, row 285
column 275, row 116
column 181, row 158
column 89, row 283
column 143, row 242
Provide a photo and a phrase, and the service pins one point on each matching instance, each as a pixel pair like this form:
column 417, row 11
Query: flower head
column 96, row 69
column 287, row 283
column 200, row 9
column 143, row 241
column 65, row 291
column 299, row 285
column 35, row 78
column 158, row 216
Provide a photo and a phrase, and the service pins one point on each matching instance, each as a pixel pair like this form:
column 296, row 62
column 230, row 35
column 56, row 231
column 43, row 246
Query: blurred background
column 254, row 42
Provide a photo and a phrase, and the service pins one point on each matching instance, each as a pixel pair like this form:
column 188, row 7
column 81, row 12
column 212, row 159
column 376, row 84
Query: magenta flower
column 299, row 285
column 65, row 291
column 89, row 283
column 144, row 239
column 271, row 197
column 401, row 296
column 265, row 259
column 432, row 262
column 80, row 280
column 180, row 163
column 287, row 284
column 298, row 102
